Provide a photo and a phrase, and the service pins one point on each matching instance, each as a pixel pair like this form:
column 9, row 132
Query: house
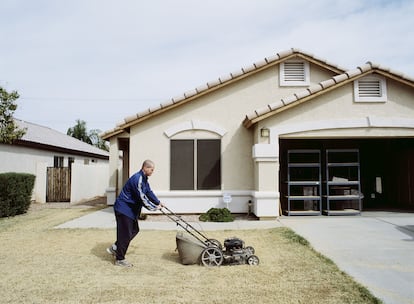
column 292, row 134
column 66, row 168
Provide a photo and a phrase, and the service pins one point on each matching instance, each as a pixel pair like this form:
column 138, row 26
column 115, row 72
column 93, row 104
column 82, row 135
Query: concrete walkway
column 376, row 248
column 105, row 219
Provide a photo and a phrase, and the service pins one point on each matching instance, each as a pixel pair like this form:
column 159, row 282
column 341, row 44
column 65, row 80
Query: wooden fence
column 58, row 185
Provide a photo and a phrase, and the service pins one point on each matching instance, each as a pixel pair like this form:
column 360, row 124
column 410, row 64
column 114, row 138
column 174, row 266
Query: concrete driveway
column 376, row 248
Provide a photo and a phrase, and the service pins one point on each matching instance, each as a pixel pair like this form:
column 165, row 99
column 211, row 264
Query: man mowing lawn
column 134, row 195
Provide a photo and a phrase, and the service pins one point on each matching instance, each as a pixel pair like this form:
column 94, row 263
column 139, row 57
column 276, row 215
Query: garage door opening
column 386, row 168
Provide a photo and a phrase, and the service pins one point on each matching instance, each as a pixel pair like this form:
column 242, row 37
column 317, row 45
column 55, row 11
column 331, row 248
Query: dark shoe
column 123, row 263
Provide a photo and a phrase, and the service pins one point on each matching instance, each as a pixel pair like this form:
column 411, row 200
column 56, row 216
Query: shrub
column 15, row 193
column 217, row 215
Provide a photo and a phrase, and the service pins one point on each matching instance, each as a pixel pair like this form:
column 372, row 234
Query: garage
column 370, row 174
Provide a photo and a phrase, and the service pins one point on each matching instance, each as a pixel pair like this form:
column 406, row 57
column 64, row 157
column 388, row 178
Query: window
column 182, row 165
column 58, row 161
column 370, row 89
column 294, row 73
column 195, row 164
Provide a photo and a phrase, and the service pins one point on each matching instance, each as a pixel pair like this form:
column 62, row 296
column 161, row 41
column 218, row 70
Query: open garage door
column 386, row 168
column 387, row 173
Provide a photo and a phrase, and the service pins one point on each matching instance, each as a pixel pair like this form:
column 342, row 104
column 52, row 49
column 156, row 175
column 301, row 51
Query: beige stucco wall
column 225, row 109
column 113, row 162
column 218, row 114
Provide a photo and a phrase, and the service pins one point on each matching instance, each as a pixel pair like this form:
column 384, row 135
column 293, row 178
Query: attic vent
column 370, row 89
column 294, row 73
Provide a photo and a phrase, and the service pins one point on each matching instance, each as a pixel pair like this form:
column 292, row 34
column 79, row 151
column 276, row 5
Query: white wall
column 22, row 159
column 40, row 187
column 28, row 160
column 88, row 181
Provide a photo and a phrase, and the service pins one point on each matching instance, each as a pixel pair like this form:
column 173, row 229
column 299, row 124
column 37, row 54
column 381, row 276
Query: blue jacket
column 134, row 195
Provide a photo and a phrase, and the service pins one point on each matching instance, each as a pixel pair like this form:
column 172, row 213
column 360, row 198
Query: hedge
column 15, row 193
column 217, row 215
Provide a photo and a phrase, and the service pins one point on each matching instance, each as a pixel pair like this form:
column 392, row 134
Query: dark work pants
column 126, row 230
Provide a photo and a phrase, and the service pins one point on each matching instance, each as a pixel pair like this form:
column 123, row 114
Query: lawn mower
column 194, row 247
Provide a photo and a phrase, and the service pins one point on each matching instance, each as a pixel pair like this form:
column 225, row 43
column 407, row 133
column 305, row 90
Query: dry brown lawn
column 40, row 264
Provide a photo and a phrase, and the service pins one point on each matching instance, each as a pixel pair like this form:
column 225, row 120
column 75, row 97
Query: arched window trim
column 193, row 125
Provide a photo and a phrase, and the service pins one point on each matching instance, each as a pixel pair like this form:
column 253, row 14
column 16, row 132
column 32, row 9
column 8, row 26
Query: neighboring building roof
column 48, row 139
column 322, row 88
column 220, row 82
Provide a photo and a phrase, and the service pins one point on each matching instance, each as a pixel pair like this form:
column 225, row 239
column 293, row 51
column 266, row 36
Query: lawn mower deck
column 195, row 247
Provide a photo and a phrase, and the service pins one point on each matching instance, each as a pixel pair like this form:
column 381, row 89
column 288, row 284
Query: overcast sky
column 103, row 60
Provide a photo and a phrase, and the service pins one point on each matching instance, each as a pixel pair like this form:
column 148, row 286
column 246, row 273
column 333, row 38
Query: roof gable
column 322, row 88
column 219, row 83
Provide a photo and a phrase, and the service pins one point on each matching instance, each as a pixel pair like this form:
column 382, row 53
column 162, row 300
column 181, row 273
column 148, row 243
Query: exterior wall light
column 264, row 132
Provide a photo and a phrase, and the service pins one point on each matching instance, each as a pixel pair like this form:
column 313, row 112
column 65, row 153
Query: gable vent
column 370, row 89
column 294, row 73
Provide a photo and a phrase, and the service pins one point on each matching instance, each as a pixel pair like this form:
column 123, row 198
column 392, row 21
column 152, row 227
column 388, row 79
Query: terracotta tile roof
column 324, row 86
column 218, row 83
column 54, row 140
